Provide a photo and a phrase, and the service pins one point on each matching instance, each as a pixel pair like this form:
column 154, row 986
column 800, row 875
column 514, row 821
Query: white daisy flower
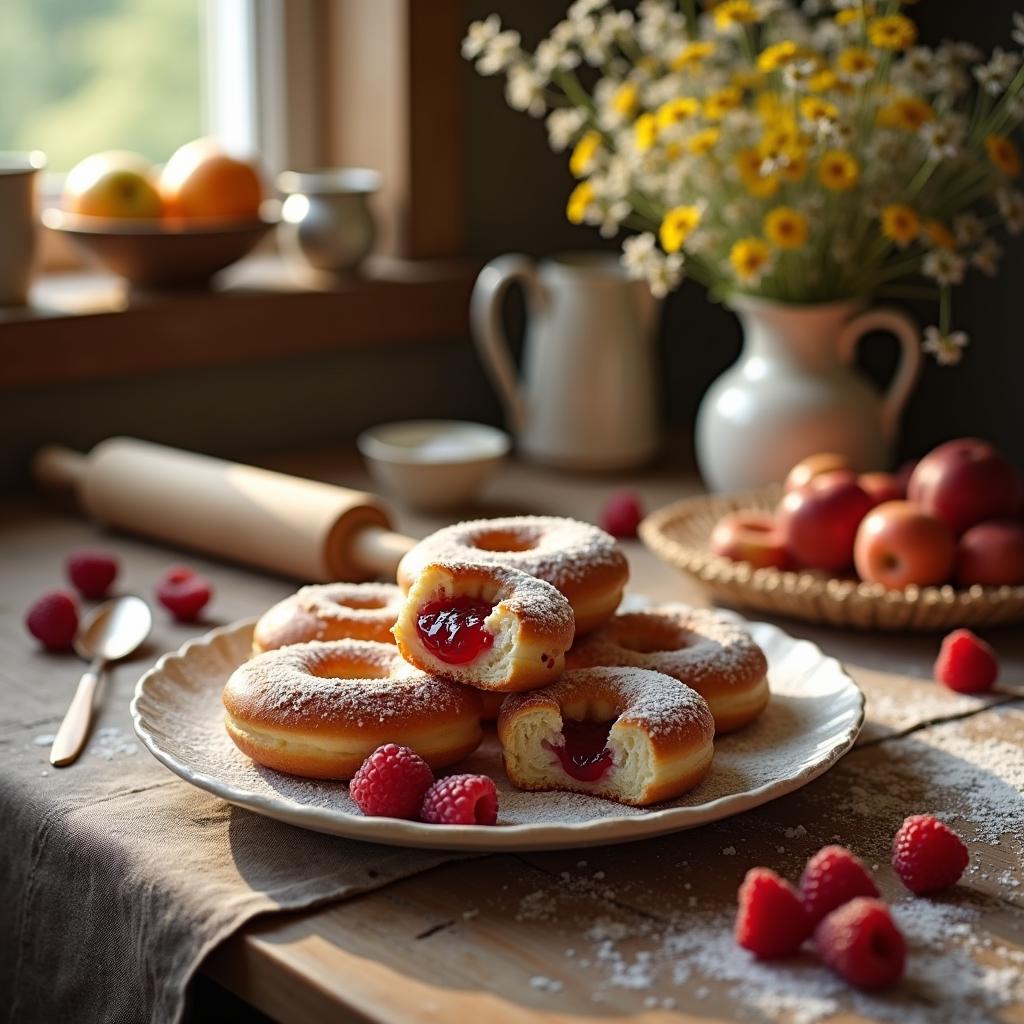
column 581, row 9
column 479, row 35
column 987, row 256
column 1018, row 28
column 1011, row 206
column 943, row 138
column 637, row 253
column 948, row 349
column 499, row 53
column 944, row 266
column 553, row 56
column 524, row 90
column 614, row 214
column 968, row 228
column 563, row 125
column 665, row 274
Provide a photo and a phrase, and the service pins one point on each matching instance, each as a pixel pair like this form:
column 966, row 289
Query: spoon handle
column 74, row 730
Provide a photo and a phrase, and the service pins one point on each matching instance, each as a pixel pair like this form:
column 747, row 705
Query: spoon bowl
column 114, row 629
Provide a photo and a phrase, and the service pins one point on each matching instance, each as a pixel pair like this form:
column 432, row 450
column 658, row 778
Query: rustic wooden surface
column 609, row 934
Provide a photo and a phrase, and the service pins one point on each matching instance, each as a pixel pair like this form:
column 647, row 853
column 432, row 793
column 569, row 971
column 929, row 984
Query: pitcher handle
column 896, row 322
column 488, row 333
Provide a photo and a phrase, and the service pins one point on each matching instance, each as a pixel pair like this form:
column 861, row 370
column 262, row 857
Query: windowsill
column 85, row 326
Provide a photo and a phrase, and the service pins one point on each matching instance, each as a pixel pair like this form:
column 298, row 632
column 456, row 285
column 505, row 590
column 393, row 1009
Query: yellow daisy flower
column 624, row 100
column 582, row 160
column 645, row 132
column 822, row 81
column 750, row 258
column 854, row 14
column 579, row 200
column 677, row 111
column 893, row 32
column 776, row 56
column 691, row 56
column 855, row 61
column 838, row 171
column 813, row 108
column 939, row 236
column 779, row 139
column 718, row 103
column 747, row 78
column 703, row 141
column 677, row 226
column 734, row 12
column 793, row 164
column 900, row 224
column 786, row 228
column 1003, row 153
column 908, row 113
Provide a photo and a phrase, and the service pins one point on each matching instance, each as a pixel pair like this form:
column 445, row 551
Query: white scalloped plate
column 813, row 719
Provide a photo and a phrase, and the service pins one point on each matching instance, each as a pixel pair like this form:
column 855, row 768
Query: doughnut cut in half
column 486, row 626
column 625, row 734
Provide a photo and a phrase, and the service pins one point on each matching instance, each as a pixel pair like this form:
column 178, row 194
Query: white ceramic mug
column 17, row 224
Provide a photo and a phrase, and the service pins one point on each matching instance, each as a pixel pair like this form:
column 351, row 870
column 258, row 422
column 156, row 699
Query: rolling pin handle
column 378, row 550
column 58, row 468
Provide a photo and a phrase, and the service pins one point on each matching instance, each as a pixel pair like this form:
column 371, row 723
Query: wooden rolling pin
column 300, row 528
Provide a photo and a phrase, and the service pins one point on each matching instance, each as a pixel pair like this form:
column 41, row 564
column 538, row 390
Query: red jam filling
column 585, row 754
column 453, row 629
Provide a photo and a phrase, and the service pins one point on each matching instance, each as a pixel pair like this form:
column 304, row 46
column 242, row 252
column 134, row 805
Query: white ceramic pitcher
column 793, row 392
column 587, row 398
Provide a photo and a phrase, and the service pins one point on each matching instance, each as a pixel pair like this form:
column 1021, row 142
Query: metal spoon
column 111, row 632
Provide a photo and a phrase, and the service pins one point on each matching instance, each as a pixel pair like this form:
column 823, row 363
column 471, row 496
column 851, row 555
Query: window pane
column 80, row 76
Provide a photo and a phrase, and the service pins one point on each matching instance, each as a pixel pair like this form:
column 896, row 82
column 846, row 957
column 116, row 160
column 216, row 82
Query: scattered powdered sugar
column 44, row 741
column 110, row 742
column 538, row 981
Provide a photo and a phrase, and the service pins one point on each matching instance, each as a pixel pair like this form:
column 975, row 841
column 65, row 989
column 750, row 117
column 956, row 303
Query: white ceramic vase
column 794, row 392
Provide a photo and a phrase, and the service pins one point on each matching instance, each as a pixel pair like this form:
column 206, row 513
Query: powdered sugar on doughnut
column 361, row 601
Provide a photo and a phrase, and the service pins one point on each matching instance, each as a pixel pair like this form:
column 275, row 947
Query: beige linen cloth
column 116, row 878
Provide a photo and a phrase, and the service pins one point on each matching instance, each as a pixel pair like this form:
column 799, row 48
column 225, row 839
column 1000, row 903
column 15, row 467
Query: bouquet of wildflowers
column 803, row 152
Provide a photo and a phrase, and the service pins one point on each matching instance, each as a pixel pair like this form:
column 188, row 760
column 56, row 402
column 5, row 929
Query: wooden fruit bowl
column 679, row 534
column 160, row 254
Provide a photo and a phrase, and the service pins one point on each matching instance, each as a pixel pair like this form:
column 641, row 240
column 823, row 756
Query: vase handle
column 896, row 322
column 488, row 333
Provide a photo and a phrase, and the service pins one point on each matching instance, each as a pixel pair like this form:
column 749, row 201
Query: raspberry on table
column 621, row 514
column 927, row 854
column 183, row 592
column 832, row 877
column 461, row 800
column 391, row 782
column 771, row 920
column 861, row 943
column 966, row 663
column 53, row 620
column 92, row 572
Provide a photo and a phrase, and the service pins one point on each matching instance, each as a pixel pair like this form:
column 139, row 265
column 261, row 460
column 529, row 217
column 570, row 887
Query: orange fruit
column 201, row 181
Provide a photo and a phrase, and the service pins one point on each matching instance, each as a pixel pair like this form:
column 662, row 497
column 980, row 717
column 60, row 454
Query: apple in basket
column 899, row 543
column 750, row 536
column 991, row 554
column 814, row 465
column 882, row 487
column 819, row 521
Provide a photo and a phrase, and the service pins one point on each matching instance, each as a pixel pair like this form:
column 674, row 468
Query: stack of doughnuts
column 513, row 619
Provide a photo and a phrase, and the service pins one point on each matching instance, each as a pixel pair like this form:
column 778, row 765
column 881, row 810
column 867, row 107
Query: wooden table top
column 642, row 931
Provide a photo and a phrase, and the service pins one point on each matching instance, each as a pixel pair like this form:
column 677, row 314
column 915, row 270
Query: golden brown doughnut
column 627, row 734
column 583, row 562
column 330, row 611
column 487, row 626
column 718, row 659
column 319, row 709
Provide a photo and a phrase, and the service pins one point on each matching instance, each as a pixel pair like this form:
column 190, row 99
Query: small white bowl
column 432, row 464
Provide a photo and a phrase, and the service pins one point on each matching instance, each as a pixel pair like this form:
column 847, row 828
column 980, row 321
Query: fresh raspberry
column 53, row 620
column 391, row 782
column 862, row 944
column 91, row 572
column 771, row 920
column 183, row 592
column 928, row 855
column 621, row 514
column 832, row 877
column 966, row 663
column 461, row 800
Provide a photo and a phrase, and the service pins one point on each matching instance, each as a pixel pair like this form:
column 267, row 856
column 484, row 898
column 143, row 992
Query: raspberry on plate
column 621, row 514
column 861, row 943
column 391, row 782
column 771, row 920
column 91, row 572
column 53, row 620
column 832, row 877
column 183, row 592
column 927, row 854
column 966, row 663
column 461, row 800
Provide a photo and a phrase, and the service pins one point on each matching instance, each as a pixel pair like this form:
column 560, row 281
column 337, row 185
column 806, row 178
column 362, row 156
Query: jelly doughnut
column 319, row 709
column 486, row 626
column 626, row 734
column 580, row 560
column 719, row 659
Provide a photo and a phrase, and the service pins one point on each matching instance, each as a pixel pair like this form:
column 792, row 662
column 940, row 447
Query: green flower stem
column 945, row 308
column 573, row 88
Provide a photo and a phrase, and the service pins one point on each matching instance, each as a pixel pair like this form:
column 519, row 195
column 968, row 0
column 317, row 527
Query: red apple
column 898, row 543
column 752, row 537
column 966, row 482
column 819, row 521
column 882, row 487
column 991, row 554
column 814, row 465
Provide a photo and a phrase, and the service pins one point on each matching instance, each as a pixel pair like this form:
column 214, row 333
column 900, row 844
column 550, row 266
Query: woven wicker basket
column 679, row 534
